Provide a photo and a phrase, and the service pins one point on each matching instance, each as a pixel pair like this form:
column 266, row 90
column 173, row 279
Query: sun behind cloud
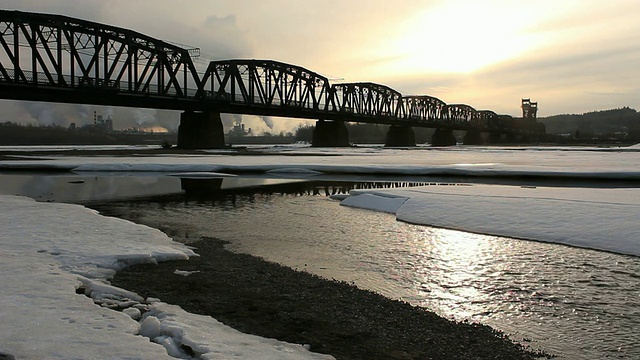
column 463, row 36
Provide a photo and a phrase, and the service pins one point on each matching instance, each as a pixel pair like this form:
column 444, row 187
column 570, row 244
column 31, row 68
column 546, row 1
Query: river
column 574, row 302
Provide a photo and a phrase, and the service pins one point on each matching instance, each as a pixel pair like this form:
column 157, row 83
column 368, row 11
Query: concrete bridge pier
column 512, row 139
column 400, row 136
column 473, row 137
column 494, row 138
column 443, row 137
column 330, row 134
column 200, row 130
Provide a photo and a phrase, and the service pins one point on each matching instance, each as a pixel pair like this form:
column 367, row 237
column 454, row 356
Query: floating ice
column 184, row 273
column 602, row 219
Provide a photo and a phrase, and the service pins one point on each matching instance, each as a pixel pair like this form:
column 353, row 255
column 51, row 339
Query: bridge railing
column 41, row 79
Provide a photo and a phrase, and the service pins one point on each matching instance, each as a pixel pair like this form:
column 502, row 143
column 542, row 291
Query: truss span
column 55, row 54
column 263, row 85
column 422, row 108
column 365, row 100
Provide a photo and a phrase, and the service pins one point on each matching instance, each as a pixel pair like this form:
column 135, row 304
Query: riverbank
column 269, row 300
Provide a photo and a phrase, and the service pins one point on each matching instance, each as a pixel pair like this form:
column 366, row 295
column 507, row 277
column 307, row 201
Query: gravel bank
column 269, row 300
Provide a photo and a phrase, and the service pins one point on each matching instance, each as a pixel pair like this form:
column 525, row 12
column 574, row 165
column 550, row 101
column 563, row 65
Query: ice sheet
column 603, row 219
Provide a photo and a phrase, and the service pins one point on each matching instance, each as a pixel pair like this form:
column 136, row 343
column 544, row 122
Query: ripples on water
column 577, row 303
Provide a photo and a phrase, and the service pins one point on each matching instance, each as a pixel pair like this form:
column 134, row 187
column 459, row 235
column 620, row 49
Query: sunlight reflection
column 454, row 284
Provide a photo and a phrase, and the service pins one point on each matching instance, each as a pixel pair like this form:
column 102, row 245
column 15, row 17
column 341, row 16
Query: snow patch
column 602, row 219
column 202, row 174
column 184, row 273
column 56, row 259
column 293, row 170
column 375, row 201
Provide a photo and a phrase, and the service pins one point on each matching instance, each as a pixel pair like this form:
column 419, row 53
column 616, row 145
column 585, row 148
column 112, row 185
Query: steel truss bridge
column 55, row 58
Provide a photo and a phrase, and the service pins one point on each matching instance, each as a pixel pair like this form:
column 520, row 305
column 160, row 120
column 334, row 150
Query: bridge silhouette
column 54, row 58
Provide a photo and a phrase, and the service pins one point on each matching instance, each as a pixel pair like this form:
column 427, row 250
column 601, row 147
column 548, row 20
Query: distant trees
column 623, row 124
column 17, row 134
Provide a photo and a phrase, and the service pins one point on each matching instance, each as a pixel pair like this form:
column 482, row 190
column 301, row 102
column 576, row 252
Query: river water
column 578, row 303
column 572, row 302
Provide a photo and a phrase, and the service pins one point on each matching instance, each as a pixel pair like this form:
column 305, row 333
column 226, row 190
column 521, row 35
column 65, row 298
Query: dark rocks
column 269, row 300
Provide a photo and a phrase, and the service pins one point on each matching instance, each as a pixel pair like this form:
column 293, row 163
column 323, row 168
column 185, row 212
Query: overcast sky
column 572, row 56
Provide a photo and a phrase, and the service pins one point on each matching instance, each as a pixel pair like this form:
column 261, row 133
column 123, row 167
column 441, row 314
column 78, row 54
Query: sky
column 571, row 56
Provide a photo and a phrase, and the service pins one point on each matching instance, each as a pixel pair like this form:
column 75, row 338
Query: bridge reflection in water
column 214, row 190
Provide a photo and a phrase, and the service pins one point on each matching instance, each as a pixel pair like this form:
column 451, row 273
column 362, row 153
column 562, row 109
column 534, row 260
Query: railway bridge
column 55, row 58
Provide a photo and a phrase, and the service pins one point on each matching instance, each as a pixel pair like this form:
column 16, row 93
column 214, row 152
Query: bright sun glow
column 461, row 37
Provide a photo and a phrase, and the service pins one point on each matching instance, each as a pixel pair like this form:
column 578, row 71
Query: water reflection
column 109, row 187
column 80, row 189
column 460, row 259
column 219, row 188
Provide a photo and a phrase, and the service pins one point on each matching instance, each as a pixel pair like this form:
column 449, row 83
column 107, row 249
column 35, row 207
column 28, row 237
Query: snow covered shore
column 52, row 254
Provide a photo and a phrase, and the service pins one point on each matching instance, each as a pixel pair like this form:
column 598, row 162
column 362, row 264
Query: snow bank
column 381, row 202
column 589, row 163
column 55, row 259
column 602, row 219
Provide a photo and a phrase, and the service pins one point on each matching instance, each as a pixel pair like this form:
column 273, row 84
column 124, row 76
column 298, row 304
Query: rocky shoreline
column 269, row 300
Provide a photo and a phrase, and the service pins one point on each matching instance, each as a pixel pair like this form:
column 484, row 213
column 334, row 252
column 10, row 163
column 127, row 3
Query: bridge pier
column 443, row 137
column 512, row 139
column 330, row 134
column 473, row 137
column 200, row 130
column 494, row 138
column 400, row 136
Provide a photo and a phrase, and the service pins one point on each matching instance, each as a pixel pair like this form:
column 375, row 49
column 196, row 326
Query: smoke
column 55, row 114
column 46, row 114
column 268, row 121
column 144, row 116
column 40, row 113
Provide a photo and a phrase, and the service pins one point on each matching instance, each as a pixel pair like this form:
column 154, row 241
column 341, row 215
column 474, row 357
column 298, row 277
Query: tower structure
column 529, row 109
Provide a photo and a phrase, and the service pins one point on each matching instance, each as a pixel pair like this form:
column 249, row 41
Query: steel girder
column 458, row 115
column 422, row 108
column 365, row 99
column 264, row 83
column 486, row 119
column 56, row 51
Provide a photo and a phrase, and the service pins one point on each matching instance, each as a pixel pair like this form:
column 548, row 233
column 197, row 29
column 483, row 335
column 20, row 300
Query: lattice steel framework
column 59, row 52
column 422, row 108
column 458, row 115
column 265, row 84
column 365, row 100
column 486, row 119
